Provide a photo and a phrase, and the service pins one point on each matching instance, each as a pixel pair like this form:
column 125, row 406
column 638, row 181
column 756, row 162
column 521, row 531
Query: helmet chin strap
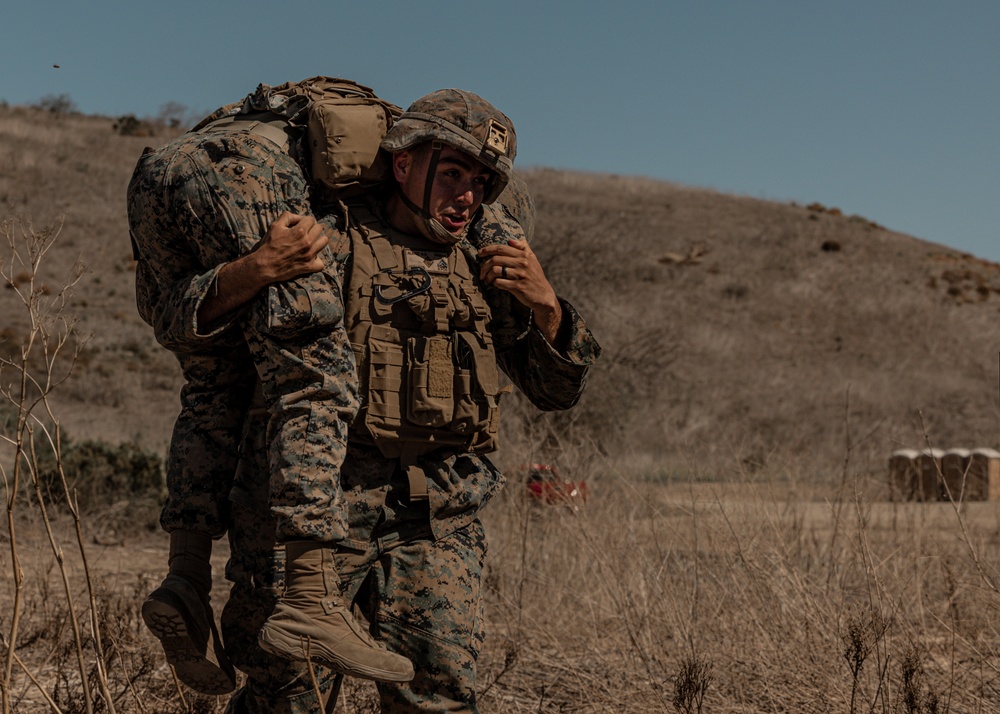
column 432, row 227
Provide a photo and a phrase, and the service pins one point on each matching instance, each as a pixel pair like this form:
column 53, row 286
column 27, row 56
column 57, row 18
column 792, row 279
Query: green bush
column 57, row 104
column 102, row 474
column 129, row 125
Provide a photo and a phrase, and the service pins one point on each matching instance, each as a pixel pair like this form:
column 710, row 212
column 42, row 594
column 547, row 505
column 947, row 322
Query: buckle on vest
column 422, row 288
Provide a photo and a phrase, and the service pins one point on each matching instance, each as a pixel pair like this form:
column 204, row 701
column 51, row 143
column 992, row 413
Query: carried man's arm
column 290, row 248
column 548, row 360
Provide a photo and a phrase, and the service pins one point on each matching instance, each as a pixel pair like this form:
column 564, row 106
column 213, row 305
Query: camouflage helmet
column 464, row 121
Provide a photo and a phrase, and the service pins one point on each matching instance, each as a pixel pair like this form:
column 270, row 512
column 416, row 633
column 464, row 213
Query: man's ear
column 401, row 163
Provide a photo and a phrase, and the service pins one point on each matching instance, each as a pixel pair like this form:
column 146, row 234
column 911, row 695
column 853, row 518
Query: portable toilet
column 983, row 480
column 954, row 473
column 903, row 465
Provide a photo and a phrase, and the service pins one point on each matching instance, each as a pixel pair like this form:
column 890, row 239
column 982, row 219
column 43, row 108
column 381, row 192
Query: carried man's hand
column 290, row 248
column 514, row 268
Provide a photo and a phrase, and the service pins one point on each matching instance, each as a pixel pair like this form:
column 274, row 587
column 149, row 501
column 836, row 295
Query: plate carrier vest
column 427, row 369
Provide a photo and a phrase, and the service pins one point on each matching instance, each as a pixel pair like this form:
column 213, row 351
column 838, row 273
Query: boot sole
column 293, row 648
column 163, row 614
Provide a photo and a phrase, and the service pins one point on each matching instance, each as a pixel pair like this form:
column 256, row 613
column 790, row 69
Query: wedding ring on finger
column 503, row 272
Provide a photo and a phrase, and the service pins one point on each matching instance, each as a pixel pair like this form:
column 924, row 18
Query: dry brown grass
column 610, row 608
column 130, row 668
column 774, row 587
column 753, row 351
column 69, row 173
column 737, row 554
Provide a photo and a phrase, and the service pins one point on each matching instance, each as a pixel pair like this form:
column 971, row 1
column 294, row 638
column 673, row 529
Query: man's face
column 459, row 184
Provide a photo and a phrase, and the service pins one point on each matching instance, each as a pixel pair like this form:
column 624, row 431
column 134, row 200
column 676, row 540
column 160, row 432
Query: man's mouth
column 454, row 222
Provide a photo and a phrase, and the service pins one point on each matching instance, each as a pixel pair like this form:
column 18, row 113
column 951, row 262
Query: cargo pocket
column 431, row 374
column 305, row 304
column 477, row 383
column 385, row 383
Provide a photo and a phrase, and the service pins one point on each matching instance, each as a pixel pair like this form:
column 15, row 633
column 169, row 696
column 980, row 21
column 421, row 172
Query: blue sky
column 890, row 110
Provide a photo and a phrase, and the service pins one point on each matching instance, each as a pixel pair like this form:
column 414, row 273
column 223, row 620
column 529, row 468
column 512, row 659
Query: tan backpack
column 344, row 124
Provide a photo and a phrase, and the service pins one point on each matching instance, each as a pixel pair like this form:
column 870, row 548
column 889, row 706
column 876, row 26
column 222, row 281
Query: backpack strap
column 270, row 126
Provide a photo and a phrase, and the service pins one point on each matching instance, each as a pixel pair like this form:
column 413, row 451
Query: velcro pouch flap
column 344, row 136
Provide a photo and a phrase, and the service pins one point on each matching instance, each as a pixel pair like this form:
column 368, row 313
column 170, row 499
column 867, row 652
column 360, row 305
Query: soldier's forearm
column 236, row 284
column 548, row 320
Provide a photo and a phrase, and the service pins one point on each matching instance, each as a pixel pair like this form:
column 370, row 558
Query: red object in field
column 546, row 486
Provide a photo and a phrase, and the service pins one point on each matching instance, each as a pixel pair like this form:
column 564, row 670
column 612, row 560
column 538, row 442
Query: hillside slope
column 742, row 328
column 737, row 332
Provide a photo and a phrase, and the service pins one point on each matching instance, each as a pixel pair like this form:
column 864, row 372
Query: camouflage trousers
column 204, row 446
column 421, row 597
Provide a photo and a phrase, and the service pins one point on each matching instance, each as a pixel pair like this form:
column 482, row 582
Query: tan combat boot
column 179, row 615
column 312, row 621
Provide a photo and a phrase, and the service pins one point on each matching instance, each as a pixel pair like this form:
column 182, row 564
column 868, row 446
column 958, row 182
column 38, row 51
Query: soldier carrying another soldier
column 421, row 295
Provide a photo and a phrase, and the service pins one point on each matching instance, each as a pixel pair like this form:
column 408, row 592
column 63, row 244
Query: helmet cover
column 464, row 121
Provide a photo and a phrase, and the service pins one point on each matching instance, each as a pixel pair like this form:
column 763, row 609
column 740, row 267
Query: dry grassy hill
column 738, row 333
column 745, row 342
column 743, row 331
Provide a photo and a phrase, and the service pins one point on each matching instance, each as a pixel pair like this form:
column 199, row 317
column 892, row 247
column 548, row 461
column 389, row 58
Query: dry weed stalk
column 912, row 697
column 691, row 685
column 46, row 358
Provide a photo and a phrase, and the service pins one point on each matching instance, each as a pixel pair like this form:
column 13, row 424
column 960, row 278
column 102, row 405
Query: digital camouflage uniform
column 199, row 202
column 412, row 568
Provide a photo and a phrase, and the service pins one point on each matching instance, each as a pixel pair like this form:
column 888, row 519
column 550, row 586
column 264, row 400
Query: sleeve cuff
column 201, row 288
column 576, row 344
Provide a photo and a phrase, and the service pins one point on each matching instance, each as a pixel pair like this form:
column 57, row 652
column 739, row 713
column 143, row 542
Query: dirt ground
column 594, row 609
column 119, row 564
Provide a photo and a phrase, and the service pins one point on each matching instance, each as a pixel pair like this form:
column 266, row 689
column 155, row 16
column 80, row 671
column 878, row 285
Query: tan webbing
column 415, row 476
column 274, row 130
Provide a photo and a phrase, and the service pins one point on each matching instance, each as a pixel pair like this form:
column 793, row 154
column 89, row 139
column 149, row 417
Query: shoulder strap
column 269, row 126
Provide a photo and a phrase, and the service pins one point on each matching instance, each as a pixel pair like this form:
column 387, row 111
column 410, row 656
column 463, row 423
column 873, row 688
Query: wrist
column 255, row 270
column 547, row 319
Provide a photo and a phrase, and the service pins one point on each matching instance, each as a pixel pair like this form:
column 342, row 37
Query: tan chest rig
column 426, row 364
